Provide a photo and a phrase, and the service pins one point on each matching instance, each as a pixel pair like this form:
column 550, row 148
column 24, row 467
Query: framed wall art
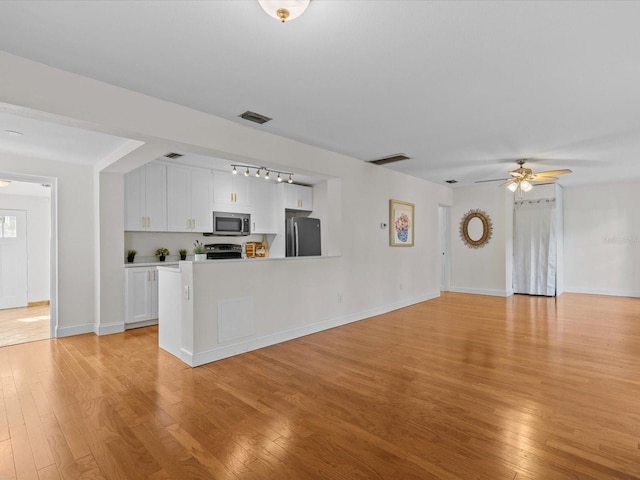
column 401, row 223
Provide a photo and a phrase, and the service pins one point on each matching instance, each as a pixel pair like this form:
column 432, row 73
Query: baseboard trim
column 482, row 291
column 110, row 328
column 75, row 330
column 195, row 359
column 41, row 303
column 603, row 291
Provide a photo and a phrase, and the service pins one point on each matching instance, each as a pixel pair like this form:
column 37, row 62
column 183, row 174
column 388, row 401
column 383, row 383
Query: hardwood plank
column 7, row 468
column 459, row 387
column 22, row 456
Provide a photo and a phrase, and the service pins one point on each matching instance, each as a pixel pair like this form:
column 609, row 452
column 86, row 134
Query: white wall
column 602, row 239
column 486, row 270
column 38, row 241
column 75, row 256
column 369, row 274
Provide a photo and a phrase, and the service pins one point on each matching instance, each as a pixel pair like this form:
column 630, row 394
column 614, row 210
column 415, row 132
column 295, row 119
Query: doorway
column 13, row 258
column 27, row 259
column 443, row 217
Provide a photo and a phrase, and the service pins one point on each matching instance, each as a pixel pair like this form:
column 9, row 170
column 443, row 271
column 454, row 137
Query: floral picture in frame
column 401, row 223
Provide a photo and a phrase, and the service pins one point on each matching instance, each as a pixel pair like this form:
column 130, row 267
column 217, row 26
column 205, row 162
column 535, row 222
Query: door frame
column 53, row 247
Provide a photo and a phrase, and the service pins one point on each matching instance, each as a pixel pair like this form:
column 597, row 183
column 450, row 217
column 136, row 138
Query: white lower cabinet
column 141, row 296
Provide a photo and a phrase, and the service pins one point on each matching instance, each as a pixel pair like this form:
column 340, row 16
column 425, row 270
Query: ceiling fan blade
column 552, row 173
column 494, row 180
column 542, row 178
column 516, row 174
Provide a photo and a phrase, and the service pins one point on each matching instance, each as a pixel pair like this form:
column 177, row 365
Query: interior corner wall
column 485, row 270
column 38, row 242
column 75, row 237
column 111, row 309
column 602, row 239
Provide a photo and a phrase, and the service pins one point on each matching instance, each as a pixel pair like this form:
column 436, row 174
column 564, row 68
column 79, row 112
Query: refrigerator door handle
column 295, row 243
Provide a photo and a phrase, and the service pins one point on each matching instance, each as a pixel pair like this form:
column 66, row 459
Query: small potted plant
column 131, row 254
column 162, row 253
column 183, row 253
column 199, row 250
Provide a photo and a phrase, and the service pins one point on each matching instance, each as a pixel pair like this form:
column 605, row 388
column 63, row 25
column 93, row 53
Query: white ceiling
column 464, row 88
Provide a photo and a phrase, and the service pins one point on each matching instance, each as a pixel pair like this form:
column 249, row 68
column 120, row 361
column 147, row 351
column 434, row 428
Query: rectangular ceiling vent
column 254, row 117
column 390, row 159
column 173, row 155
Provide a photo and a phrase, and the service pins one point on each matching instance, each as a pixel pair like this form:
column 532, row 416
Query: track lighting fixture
column 259, row 169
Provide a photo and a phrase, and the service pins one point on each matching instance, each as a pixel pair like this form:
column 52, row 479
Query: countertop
column 150, row 264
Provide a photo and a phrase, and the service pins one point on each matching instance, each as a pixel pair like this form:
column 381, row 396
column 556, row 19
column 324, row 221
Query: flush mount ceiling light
column 259, row 169
column 4, row 183
column 284, row 9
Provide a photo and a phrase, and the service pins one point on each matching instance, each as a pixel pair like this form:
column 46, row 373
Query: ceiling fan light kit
column 522, row 178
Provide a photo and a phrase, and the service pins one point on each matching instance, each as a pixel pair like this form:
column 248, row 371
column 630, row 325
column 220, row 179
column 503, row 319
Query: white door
column 13, row 258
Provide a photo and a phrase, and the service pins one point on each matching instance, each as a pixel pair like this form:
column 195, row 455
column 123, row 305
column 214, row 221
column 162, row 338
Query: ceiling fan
column 522, row 177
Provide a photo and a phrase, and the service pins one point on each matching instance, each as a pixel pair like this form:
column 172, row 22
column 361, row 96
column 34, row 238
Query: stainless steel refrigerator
column 303, row 237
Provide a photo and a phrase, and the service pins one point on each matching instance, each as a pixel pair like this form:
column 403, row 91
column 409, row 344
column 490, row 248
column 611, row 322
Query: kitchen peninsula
column 216, row 309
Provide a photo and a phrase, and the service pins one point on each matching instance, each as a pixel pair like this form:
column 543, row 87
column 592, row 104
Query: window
column 8, row 227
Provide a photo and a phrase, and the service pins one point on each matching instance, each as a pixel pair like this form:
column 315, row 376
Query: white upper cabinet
column 189, row 199
column 145, row 199
column 297, row 197
column 264, row 200
column 231, row 193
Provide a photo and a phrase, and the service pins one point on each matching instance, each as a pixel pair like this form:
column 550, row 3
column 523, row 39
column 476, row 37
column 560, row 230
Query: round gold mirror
column 475, row 228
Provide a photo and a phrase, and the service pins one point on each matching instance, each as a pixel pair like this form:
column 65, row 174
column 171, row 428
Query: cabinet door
column 264, row 214
column 138, row 294
column 298, row 197
column 156, row 197
column 135, row 215
column 201, row 211
column 231, row 193
column 178, row 199
column 305, row 197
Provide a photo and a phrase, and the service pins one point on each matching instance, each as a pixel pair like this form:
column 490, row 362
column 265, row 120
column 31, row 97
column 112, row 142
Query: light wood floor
column 460, row 387
column 20, row 325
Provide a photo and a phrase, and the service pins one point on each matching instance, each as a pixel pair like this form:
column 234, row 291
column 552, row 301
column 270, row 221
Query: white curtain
column 534, row 247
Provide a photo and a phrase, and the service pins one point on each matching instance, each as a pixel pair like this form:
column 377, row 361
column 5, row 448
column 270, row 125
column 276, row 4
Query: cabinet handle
column 194, row 223
column 231, row 195
column 144, row 222
column 148, row 221
column 254, row 226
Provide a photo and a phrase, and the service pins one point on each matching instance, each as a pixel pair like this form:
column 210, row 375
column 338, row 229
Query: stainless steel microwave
column 231, row 224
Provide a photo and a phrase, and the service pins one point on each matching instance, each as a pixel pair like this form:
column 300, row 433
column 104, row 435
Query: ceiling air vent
column 254, row 117
column 451, row 181
column 173, row 155
column 390, row 159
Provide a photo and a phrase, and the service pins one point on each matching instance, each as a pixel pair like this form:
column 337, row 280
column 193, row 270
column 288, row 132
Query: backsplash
column 146, row 243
